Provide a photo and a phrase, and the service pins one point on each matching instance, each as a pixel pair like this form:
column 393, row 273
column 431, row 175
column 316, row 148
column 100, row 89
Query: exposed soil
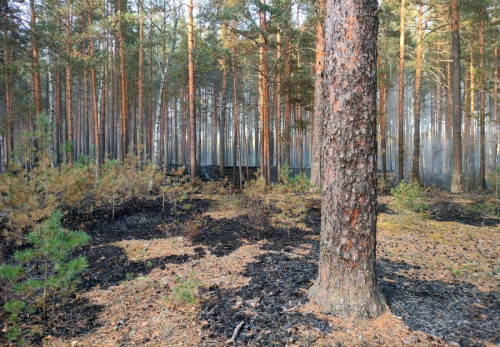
column 440, row 276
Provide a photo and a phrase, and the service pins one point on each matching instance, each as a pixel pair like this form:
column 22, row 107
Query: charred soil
column 193, row 277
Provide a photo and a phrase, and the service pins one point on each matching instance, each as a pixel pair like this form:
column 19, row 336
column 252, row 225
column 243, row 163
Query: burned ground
column 440, row 279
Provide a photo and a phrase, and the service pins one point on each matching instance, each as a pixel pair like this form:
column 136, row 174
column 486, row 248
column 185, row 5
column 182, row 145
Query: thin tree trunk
column 456, row 178
column 288, row 108
column 213, row 132
column 9, row 134
column 401, row 84
column 35, row 56
column 415, row 173
column 192, row 118
column 149, row 140
column 383, row 89
column 495, row 113
column 69, row 90
column 316, row 170
column 472, row 120
column 94, row 96
column 236, row 123
column 278, row 105
column 300, row 126
column 482, row 108
column 140, row 84
column 122, row 8
column 222, row 123
column 264, row 98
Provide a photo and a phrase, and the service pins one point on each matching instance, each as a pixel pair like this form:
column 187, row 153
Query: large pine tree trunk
column 456, row 178
column 346, row 283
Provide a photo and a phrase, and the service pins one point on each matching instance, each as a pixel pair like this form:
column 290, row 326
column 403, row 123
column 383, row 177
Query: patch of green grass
column 184, row 290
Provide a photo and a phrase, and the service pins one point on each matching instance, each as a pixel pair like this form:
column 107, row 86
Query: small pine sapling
column 174, row 189
column 43, row 271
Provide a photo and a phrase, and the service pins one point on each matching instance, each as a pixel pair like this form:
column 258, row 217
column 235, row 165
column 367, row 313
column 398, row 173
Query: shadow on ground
column 452, row 212
column 457, row 312
column 278, row 284
column 108, row 265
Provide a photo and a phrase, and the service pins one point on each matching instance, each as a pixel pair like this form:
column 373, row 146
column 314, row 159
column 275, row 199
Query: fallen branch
column 235, row 333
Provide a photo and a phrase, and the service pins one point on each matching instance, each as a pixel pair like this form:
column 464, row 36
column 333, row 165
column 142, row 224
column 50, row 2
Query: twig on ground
column 235, row 333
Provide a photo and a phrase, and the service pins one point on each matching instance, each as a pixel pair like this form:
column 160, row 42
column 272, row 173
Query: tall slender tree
column 192, row 118
column 401, row 95
column 415, row 173
column 456, row 178
column 318, row 96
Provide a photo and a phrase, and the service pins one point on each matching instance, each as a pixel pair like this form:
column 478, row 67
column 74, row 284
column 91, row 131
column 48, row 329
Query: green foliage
column 484, row 209
column 184, row 291
column 175, row 189
column 409, row 197
column 44, row 269
column 256, row 188
column 300, row 182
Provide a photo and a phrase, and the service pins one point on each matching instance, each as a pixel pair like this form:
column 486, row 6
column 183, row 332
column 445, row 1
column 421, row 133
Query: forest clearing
column 249, row 173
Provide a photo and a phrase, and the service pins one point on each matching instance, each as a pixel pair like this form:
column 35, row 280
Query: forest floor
column 189, row 279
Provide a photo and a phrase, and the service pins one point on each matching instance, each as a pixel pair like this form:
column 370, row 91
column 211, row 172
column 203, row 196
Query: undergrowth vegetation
column 42, row 273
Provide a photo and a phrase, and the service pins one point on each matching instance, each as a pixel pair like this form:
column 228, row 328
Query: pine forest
column 249, row 172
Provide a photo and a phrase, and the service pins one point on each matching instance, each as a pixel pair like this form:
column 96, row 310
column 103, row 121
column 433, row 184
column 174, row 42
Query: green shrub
column 43, row 271
column 184, row 290
column 409, row 197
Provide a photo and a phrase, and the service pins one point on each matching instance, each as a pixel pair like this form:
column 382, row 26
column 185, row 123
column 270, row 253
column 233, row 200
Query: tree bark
column 264, row 98
column 9, row 134
column 222, row 123
column 316, row 178
column 213, row 133
column 482, row 107
column 140, row 84
column 346, row 283
column 35, row 56
column 122, row 8
column 401, row 84
column 192, row 118
column 278, row 104
column 236, row 124
column 456, row 178
column 383, row 90
column 495, row 113
column 94, row 95
column 69, row 89
column 288, row 108
column 415, row 173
